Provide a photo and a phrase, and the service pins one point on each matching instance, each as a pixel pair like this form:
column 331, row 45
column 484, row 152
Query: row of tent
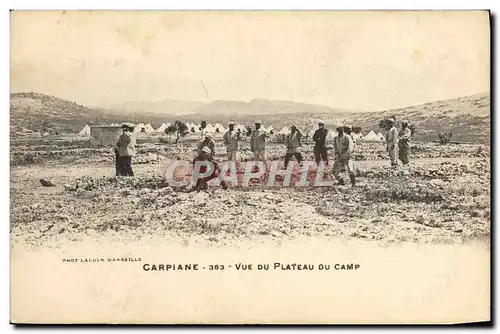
column 219, row 128
column 192, row 128
column 148, row 128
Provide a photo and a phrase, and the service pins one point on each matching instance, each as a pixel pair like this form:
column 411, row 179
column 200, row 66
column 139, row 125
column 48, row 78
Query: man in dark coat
column 126, row 150
column 319, row 138
column 206, row 155
column 404, row 142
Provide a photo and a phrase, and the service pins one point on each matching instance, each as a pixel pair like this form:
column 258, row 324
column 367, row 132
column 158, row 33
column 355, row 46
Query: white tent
column 209, row 129
column 196, row 128
column 148, row 128
column 371, row 136
column 357, row 136
column 139, row 127
column 380, row 136
column 284, row 130
column 269, row 129
column 240, row 127
column 219, row 127
column 162, row 128
column 85, row 131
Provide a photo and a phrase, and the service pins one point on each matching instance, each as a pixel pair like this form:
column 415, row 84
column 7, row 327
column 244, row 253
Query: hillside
column 33, row 112
column 467, row 117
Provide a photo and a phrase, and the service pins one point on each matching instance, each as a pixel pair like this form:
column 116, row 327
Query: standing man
column 319, row 138
column 404, row 142
column 258, row 142
column 293, row 145
column 206, row 142
column 126, row 150
column 343, row 147
column 348, row 132
column 392, row 141
column 231, row 138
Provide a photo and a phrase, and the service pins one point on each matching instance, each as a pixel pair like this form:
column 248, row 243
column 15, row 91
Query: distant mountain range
column 221, row 108
column 166, row 107
column 467, row 117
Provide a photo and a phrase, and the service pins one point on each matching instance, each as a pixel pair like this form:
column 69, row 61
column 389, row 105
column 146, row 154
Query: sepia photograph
column 250, row 167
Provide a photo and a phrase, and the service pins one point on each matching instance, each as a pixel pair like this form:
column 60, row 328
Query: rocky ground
column 78, row 150
column 444, row 197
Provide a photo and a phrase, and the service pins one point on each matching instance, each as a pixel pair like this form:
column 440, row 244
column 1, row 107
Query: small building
column 85, row 131
column 104, row 135
column 140, row 127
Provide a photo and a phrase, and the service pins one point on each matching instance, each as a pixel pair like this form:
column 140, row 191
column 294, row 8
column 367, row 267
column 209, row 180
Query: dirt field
column 443, row 198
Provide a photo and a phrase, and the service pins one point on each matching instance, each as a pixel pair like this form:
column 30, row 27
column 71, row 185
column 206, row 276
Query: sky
column 347, row 60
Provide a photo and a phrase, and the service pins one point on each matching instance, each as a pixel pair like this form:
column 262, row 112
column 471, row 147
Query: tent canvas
column 380, row 136
column 219, row 127
column 148, row 128
column 196, row 128
column 85, row 131
column 354, row 135
column 241, row 127
column 284, row 130
column 139, row 127
column 210, row 128
column 371, row 136
column 162, row 127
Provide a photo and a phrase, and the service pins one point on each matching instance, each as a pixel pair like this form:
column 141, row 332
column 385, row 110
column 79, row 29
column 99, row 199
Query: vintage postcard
column 250, row 167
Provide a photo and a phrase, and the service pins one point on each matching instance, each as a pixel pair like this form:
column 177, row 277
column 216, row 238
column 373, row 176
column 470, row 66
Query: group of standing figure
column 343, row 147
column 257, row 143
column 398, row 140
column 343, row 151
